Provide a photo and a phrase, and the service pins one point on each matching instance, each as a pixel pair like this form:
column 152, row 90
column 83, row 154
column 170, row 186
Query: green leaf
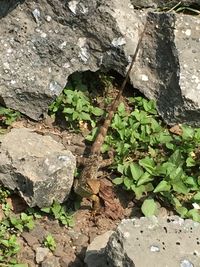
column 68, row 110
column 191, row 181
column 182, row 211
column 194, row 214
column 75, row 115
column 170, row 146
column 164, row 138
column 118, row 180
column 46, row 210
column 136, row 171
column 162, row 186
column 97, row 111
column 120, row 168
column 197, row 196
column 190, row 162
column 20, row 265
column 188, row 132
column 138, row 190
column 149, row 207
column 180, row 187
column 56, row 209
column 85, row 116
column 176, row 174
column 121, row 109
column 127, row 182
column 176, row 158
column 145, row 178
column 148, row 164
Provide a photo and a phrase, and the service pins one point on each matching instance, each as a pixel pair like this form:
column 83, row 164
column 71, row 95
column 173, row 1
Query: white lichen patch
column 48, row 18
column 83, row 9
column 83, row 54
column 62, row 45
column 6, row 65
column 72, row 6
column 36, row 15
column 118, row 41
column 12, row 82
column 66, row 65
column 9, row 50
column 55, row 87
column 188, row 32
column 43, row 35
column 144, row 77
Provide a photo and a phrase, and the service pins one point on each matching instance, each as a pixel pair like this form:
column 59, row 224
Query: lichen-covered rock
column 37, row 166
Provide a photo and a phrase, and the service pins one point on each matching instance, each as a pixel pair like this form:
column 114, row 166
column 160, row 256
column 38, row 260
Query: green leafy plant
column 60, row 213
column 49, row 242
column 9, row 248
column 153, row 162
column 74, row 103
column 8, row 116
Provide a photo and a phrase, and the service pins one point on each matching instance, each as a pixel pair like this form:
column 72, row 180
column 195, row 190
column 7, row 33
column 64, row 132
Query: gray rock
column 154, row 242
column 95, row 254
column 8, row 5
column 41, row 253
column 162, row 3
column 37, row 166
column 51, row 262
column 168, row 69
column 37, row 58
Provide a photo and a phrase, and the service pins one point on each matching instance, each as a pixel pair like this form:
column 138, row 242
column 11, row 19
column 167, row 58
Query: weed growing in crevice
column 8, row 116
column 75, row 103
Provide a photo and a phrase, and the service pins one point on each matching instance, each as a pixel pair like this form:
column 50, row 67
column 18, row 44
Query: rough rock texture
column 8, row 5
column 37, row 166
column 162, row 3
column 95, row 255
column 153, row 242
column 43, row 42
column 168, row 68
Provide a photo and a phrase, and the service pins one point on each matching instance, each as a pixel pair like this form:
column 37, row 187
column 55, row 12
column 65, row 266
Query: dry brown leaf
column 94, row 185
column 113, row 208
column 176, row 129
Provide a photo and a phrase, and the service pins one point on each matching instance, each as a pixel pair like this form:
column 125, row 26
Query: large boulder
column 43, row 42
column 37, row 166
column 150, row 242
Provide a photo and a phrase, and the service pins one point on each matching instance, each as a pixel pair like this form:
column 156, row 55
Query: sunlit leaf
column 162, row 186
column 149, row 207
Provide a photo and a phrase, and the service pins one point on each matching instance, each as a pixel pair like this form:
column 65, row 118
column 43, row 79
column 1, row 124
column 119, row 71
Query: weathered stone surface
column 168, row 68
column 43, row 42
column 162, row 3
column 41, row 254
column 95, row 254
column 37, row 166
column 51, row 262
column 8, row 5
column 153, row 242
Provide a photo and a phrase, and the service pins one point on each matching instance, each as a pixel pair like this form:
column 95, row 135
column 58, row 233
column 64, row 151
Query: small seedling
column 49, row 242
column 8, row 116
column 60, row 213
column 75, row 105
